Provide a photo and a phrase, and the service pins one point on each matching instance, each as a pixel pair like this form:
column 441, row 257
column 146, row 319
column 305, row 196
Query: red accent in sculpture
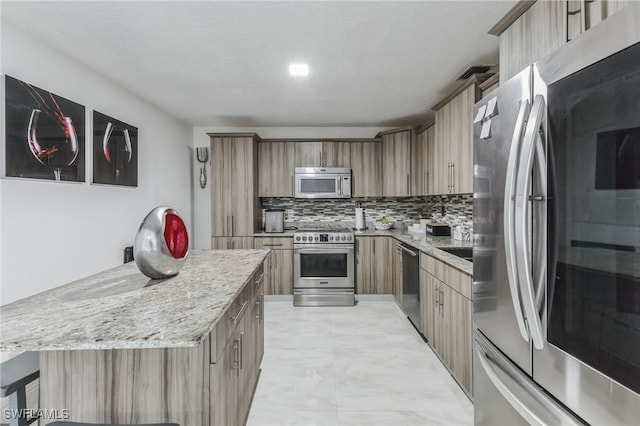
column 175, row 236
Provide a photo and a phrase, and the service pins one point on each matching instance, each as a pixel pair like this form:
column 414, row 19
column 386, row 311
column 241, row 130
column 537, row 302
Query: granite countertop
column 121, row 308
column 423, row 242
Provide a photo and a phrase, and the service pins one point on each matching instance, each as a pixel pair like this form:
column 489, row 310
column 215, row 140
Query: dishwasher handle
column 412, row 253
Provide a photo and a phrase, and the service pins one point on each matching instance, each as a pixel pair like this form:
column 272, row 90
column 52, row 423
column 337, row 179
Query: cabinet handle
column 408, row 185
column 374, row 247
column 273, row 245
column 226, row 225
column 259, row 314
column 453, row 177
column 320, row 158
column 583, row 16
column 240, row 312
column 236, row 356
column 441, row 297
column 241, row 350
column 448, row 176
column 426, row 184
column 259, row 280
column 435, row 295
column 233, row 226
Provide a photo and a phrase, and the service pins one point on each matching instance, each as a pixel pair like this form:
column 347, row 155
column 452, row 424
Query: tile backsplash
column 458, row 209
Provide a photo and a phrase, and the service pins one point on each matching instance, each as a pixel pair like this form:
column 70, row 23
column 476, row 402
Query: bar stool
column 15, row 374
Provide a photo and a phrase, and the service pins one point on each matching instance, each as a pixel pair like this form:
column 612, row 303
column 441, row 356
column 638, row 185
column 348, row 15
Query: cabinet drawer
column 231, row 318
column 275, row 243
column 454, row 278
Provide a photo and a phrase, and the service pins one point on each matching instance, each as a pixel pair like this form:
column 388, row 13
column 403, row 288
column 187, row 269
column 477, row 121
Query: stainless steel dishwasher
column 411, row 284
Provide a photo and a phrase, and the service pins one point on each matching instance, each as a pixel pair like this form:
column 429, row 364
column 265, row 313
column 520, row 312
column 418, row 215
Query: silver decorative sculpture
column 202, row 154
column 161, row 245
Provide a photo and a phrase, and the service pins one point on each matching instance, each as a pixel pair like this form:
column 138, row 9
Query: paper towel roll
column 360, row 218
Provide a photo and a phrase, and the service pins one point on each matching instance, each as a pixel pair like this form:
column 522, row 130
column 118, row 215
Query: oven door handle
column 324, row 249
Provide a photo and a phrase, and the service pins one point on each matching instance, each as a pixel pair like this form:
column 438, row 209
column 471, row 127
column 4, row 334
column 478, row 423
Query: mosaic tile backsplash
column 452, row 209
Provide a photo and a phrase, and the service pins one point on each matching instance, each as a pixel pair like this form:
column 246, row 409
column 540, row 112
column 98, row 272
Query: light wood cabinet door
column 535, row 34
column 374, row 265
column 442, row 163
column 308, row 154
column 276, row 164
column 422, row 162
column 221, row 185
column 396, row 164
column 461, row 339
column 461, row 148
column 235, row 207
column 231, row 243
column 364, row 268
column 279, row 276
column 336, row 154
column 427, row 304
column 366, row 169
column 382, row 251
column 442, row 320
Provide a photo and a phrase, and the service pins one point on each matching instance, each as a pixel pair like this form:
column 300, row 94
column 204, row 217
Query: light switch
column 480, row 114
column 485, row 133
column 492, row 108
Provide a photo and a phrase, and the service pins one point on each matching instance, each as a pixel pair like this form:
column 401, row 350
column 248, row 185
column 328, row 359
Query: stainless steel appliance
column 322, row 182
column 323, row 268
column 557, row 247
column 411, row 284
column 274, row 220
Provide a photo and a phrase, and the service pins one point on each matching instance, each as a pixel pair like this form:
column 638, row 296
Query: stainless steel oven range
column 323, row 268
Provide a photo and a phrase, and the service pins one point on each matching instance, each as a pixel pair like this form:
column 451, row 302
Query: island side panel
column 128, row 386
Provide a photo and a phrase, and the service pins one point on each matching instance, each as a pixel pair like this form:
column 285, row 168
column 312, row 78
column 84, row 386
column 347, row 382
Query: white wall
column 55, row 232
column 202, row 198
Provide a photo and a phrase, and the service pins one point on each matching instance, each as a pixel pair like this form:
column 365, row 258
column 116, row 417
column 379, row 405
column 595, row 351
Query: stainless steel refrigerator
column 556, row 259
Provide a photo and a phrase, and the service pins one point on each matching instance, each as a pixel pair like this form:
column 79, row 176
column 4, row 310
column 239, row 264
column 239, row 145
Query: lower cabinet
column 374, row 265
column 234, row 368
column 447, row 316
column 231, row 243
column 279, row 266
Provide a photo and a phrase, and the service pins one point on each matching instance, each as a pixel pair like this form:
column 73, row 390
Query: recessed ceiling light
column 299, row 70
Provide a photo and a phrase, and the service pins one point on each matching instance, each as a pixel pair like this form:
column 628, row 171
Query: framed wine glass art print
column 115, row 151
column 44, row 134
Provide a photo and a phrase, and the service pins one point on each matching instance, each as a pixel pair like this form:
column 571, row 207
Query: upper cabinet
column 453, row 147
column 532, row 30
column 322, row 154
column 275, row 168
column 366, row 169
column 235, row 207
column 396, row 163
column 422, row 161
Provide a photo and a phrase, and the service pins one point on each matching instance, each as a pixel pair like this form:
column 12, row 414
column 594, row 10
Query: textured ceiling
column 214, row 63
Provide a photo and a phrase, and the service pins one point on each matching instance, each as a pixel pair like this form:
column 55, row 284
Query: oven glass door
column 324, row 265
column 593, row 301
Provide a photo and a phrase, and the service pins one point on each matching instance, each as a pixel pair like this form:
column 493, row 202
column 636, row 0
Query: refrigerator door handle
column 536, row 408
column 509, row 217
column 531, row 140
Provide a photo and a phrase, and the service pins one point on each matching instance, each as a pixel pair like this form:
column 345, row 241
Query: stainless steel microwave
column 323, row 182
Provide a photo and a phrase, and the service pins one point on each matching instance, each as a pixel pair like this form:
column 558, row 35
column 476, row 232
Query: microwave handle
column 339, row 185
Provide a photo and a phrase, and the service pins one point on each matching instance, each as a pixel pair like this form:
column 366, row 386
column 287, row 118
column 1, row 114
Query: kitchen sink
column 465, row 253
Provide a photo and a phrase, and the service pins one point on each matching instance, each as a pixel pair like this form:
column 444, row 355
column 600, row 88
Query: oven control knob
column 331, row 238
column 343, row 238
column 304, row 238
column 298, row 238
column 315, row 238
column 349, row 238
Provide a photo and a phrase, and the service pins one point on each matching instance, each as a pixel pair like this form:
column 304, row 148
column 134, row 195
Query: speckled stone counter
column 425, row 243
column 122, row 309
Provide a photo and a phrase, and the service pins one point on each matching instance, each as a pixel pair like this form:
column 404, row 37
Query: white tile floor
column 363, row 365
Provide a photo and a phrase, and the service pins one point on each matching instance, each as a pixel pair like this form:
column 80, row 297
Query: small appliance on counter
column 438, row 229
column 274, row 221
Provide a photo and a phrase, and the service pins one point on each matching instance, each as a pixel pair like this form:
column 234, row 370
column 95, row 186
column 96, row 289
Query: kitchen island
column 117, row 347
